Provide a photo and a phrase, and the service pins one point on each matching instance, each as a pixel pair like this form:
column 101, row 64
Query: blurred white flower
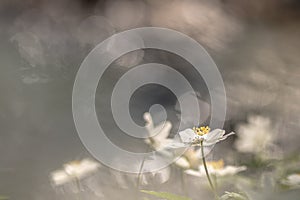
column 158, row 135
column 154, row 177
column 233, row 195
column 196, row 136
column 292, row 180
column 157, row 177
column 147, row 176
column 34, row 78
column 217, row 168
column 74, row 171
column 30, row 48
column 255, row 137
column 128, row 180
column 190, row 159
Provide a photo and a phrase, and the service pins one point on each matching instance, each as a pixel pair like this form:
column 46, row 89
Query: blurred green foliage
column 165, row 195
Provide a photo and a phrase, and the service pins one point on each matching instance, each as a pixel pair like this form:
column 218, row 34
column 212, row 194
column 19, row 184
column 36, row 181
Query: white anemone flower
column 292, row 180
column 257, row 136
column 158, row 135
column 74, row 171
column 216, row 168
column 200, row 136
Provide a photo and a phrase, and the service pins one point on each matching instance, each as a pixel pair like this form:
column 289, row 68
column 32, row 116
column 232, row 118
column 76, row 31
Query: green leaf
column 3, row 198
column 165, row 195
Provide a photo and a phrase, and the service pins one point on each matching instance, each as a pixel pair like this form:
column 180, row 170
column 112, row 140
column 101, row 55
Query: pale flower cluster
column 74, row 171
column 257, row 136
column 292, row 180
column 216, row 168
column 190, row 160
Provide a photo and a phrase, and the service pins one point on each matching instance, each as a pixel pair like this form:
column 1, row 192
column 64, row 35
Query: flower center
column 201, row 130
column 216, row 164
column 74, row 163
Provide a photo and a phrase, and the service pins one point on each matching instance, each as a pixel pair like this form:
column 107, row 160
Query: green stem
column 207, row 174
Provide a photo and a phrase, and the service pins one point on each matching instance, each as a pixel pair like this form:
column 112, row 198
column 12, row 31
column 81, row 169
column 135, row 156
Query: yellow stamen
column 74, row 162
column 201, row 130
column 216, row 164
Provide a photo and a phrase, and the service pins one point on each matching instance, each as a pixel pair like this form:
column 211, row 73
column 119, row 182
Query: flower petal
column 230, row 170
column 194, row 173
column 60, row 177
column 218, row 135
column 159, row 132
column 176, row 145
column 162, row 131
column 187, row 135
column 149, row 121
column 183, row 163
column 226, row 136
column 214, row 135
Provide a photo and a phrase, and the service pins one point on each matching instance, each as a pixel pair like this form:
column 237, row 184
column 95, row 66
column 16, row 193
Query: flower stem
column 207, row 174
column 140, row 173
column 79, row 197
column 141, row 170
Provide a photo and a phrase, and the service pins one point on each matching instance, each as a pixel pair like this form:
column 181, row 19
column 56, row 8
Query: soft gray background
column 42, row 43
